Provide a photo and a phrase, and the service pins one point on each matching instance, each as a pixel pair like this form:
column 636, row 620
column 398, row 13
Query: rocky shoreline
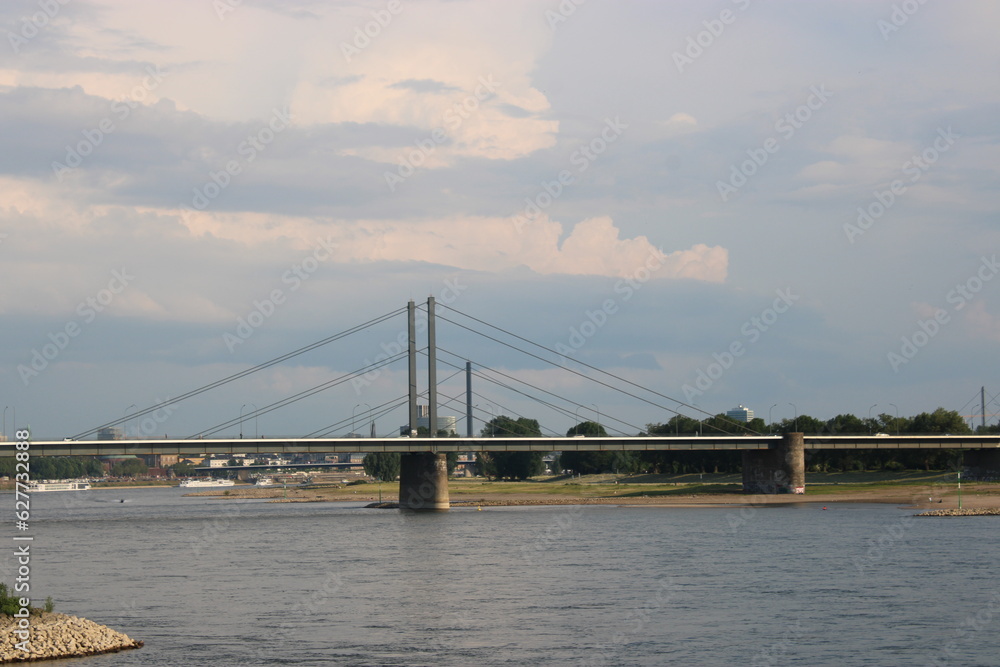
column 55, row 636
column 971, row 511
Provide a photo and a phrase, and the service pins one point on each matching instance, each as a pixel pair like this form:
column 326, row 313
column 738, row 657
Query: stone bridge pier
column 979, row 463
column 423, row 482
column 781, row 469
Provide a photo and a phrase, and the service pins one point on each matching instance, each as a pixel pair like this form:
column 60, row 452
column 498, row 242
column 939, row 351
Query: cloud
column 593, row 246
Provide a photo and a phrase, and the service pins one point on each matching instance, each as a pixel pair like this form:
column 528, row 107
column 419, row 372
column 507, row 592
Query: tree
column 511, row 465
column 129, row 468
column 182, row 469
column 382, row 466
column 506, row 427
column 940, row 421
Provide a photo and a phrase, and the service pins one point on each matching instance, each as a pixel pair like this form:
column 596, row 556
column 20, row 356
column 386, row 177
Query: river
column 207, row 581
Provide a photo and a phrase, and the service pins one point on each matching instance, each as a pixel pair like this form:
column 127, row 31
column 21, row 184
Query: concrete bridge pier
column 979, row 463
column 778, row 470
column 423, row 482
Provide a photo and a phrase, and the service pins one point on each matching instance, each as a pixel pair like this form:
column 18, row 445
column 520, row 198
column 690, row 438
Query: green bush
column 10, row 602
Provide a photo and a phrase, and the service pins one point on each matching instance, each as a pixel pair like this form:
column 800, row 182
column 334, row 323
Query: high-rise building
column 740, row 414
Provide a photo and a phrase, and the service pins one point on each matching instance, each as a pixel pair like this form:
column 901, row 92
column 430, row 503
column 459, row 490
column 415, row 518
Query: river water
column 205, row 581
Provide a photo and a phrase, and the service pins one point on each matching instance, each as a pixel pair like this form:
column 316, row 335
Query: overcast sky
column 787, row 205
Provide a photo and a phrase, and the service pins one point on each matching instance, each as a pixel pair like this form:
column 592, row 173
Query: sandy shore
column 916, row 496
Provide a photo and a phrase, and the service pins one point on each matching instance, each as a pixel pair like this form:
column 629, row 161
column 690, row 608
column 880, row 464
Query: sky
column 790, row 206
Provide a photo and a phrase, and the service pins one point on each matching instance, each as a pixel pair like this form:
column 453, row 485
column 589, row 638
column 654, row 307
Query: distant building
column 110, row 433
column 447, row 423
column 740, row 414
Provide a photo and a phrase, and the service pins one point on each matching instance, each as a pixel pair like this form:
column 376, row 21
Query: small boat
column 40, row 487
column 203, row 483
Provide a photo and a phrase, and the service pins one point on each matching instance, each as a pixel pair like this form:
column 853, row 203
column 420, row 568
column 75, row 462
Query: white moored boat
column 189, row 483
column 41, row 487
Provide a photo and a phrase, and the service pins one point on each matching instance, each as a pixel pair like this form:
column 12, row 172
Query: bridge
column 771, row 463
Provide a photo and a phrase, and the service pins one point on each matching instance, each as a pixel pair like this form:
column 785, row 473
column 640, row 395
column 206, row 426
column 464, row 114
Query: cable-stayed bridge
column 771, row 463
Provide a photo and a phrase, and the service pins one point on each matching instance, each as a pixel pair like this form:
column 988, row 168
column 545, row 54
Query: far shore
column 933, row 492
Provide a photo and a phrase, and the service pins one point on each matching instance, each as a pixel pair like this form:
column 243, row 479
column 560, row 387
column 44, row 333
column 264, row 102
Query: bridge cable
column 244, row 373
column 552, row 406
column 298, row 397
column 545, row 391
column 605, row 384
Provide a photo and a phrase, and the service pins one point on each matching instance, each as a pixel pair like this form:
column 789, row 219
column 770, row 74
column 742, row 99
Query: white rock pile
column 60, row 636
column 969, row 511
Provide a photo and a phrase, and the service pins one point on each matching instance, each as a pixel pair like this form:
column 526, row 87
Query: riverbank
column 931, row 493
column 55, row 636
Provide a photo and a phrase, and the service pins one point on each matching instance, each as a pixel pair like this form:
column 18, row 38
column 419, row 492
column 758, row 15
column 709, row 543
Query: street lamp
column 897, row 417
column 795, row 423
column 870, row 418
column 126, row 420
column 254, row 419
column 5, row 420
column 769, row 422
column 354, row 409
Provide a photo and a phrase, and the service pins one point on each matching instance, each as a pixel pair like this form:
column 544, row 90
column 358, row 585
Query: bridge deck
column 559, row 444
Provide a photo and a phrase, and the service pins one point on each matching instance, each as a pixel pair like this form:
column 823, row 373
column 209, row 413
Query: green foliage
column 452, row 458
column 511, row 465
column 183, row 469
column 506, row 427
column 383, row 466
column 129, row 468
column 10, row 602
column 56, row 467
column 589, row 429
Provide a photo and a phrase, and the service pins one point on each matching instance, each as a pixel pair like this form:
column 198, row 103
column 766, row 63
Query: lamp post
column 769, row 422
column 354, row 409
column 870, row 418
column 126, row 419
column 897, row 417
column 241, row 420
column 5, row 420
column 256, row 433
column 795, row 423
